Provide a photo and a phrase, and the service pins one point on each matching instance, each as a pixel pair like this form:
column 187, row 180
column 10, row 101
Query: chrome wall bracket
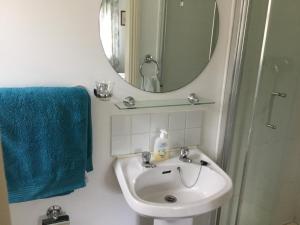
column 193, row 98
column 129, row 102
column 103, row 90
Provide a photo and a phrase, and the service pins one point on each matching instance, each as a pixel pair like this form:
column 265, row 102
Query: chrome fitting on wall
column 103, row 90
column 55, row 216
column 129, row 102
column 193, row 98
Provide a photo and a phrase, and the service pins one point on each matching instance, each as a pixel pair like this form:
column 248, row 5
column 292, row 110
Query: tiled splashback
column 137, row 133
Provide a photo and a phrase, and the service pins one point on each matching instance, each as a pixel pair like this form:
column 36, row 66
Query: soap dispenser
column 161, row 146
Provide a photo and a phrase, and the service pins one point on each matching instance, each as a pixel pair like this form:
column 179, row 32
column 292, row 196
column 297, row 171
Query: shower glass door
column 265, row 159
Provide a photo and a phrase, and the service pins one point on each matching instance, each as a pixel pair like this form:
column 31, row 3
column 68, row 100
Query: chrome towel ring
column 148, row 59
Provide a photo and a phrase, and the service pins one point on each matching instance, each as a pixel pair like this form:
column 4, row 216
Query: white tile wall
column 177, row 120
column 140, row 142
column 140, row 124
column 120, row 125
column 136, row 133
column 176, row 138
column 192, row 136
column 121, row 144
column 158, row 121
column 194, row 119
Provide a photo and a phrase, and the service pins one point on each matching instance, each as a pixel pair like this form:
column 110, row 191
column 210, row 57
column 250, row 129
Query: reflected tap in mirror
column 180, row 36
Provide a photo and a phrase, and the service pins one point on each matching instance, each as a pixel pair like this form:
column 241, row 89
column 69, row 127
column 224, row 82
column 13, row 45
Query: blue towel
column 47, row 140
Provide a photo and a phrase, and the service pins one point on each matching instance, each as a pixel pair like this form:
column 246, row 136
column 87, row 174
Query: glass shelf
column 162, row 103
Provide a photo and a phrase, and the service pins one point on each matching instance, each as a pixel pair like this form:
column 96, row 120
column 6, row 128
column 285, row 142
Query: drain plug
column 170, row 198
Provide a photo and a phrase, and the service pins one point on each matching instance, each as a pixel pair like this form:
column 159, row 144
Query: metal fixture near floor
column 56, row 216
column 146, row 157
column 54, row 212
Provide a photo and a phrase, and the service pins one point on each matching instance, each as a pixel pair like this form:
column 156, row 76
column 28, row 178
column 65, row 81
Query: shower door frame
column 236, row 58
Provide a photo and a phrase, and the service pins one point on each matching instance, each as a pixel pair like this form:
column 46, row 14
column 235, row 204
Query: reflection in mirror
column 159, row 45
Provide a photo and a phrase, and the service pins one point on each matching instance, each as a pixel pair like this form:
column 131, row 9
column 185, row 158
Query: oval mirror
column 159, row 45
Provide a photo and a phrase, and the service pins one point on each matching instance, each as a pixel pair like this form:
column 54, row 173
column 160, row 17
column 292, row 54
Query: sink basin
column 164, row 192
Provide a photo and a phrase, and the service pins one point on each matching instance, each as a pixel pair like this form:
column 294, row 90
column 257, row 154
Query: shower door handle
column 269, row 123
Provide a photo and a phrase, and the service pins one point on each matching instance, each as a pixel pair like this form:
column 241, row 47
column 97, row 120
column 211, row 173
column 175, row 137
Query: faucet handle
column 184, row 152
column 146, row 157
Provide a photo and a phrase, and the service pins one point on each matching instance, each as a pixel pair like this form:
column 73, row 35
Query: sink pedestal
column 184, row 221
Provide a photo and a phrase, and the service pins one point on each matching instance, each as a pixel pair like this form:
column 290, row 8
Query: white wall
column 56, row 43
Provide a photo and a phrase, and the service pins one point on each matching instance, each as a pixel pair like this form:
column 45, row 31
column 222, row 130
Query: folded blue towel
column 47, row 140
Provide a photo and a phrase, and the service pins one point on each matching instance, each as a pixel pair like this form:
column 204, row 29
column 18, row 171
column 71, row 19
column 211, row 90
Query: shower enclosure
column 262, row 148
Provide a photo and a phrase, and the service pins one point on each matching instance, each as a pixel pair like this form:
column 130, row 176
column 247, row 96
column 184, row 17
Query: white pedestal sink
column 159, row 192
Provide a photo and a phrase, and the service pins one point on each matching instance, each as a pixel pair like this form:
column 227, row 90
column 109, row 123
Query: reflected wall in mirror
column 159, row 45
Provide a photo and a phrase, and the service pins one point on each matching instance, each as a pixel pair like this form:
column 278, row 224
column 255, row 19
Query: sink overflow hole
column 166, row 171
column 170, row 198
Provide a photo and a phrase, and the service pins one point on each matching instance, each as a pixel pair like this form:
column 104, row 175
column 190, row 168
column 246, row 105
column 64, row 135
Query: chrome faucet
column 184, row 153
column 146, row 157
